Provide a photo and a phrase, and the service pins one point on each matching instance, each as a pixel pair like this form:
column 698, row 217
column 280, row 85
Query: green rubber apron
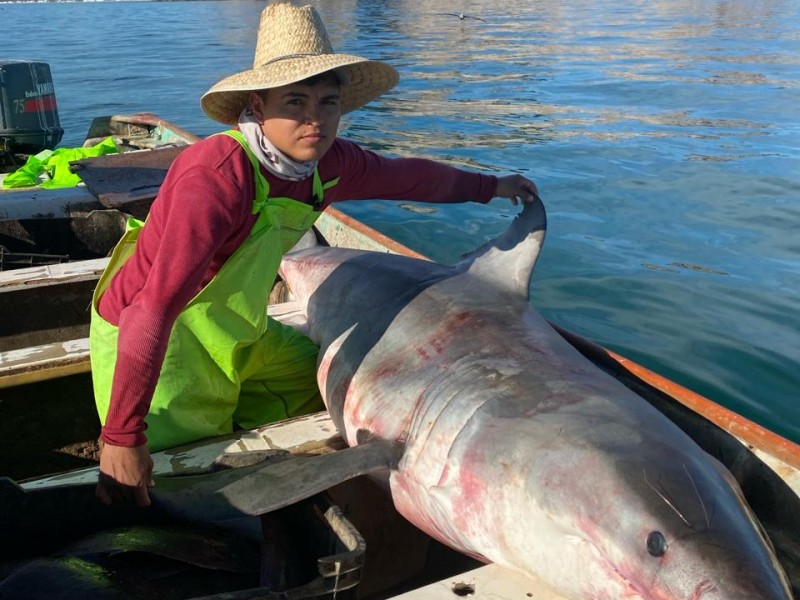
column 226, row 361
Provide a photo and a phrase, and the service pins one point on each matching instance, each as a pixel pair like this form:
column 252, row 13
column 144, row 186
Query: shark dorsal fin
column 508, row 260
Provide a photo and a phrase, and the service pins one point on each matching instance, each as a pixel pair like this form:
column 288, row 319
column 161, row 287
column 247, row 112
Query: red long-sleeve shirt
column 201, row 216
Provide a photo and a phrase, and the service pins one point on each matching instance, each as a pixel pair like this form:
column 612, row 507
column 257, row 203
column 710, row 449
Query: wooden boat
column 46, row 226
column 62, row 235
column 766, row 465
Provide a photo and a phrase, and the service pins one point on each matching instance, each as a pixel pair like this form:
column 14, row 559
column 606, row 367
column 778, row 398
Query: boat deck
column 401, row 562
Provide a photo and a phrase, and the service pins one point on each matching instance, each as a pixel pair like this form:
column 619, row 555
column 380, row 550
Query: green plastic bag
column 54, row 165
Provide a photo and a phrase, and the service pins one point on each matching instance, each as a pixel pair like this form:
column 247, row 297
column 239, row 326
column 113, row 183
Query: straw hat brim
column 366, row 80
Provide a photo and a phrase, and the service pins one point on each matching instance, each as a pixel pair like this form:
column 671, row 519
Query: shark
column 504, row 442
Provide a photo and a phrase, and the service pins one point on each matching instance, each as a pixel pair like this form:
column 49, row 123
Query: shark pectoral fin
column 261, row 489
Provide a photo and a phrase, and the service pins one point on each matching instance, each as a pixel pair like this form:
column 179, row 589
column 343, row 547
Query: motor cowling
column 28, row 109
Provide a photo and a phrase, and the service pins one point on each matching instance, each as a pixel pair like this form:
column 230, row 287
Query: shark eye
column 656, row 544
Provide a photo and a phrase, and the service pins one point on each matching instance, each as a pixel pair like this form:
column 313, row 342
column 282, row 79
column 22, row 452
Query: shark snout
column 711, row 565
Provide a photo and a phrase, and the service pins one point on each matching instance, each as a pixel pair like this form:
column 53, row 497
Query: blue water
column 664, row 137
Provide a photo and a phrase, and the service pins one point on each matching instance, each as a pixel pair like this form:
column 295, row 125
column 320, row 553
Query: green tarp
column 54, row 166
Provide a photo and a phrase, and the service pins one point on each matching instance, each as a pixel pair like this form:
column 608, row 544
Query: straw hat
column 293, row 45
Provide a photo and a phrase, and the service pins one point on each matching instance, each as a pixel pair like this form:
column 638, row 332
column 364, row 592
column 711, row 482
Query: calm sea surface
column 664, row 136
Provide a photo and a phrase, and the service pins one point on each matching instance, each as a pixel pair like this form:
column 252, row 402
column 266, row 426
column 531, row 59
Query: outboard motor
column 28, row 109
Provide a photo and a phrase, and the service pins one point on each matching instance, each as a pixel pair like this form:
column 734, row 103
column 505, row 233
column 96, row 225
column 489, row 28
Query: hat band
column 290, row 56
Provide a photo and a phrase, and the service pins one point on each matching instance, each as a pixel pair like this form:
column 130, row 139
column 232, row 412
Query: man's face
column 300, row 120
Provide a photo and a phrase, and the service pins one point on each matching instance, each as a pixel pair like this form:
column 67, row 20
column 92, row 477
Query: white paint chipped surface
column 489, row 582
column 52, row 274
column 26, row 203
column 309, row 434
column 37, row 355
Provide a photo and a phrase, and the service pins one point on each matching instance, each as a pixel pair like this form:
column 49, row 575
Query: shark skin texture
column 514, row 448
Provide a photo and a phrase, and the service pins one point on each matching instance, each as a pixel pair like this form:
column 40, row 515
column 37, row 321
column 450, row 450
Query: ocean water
column 664, row 136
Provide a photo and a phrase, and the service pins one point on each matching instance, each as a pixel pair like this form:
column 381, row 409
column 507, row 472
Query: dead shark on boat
column 512, row 447
column 500, row 439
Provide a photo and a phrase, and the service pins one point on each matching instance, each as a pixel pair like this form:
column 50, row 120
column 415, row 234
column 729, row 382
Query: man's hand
column 125, row 475
column 516, row 187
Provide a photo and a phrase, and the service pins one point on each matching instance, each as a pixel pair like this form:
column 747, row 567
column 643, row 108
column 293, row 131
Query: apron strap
column 318, row 189
column 262, row 185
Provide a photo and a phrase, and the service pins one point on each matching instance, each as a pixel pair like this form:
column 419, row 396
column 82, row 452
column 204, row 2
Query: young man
column 181, row 344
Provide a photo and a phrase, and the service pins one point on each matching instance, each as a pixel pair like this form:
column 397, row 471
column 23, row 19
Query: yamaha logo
column 42, row 89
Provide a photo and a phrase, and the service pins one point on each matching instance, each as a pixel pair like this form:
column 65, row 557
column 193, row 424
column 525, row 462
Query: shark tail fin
column 509, row 259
